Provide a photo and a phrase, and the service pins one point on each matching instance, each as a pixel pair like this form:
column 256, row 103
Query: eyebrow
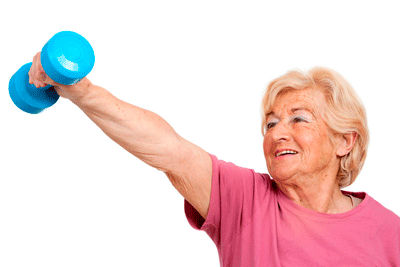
column 293, row 110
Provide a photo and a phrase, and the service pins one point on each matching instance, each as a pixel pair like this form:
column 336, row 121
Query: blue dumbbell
column 66, row 58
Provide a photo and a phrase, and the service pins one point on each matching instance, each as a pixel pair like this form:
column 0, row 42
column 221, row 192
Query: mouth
column 285, row 152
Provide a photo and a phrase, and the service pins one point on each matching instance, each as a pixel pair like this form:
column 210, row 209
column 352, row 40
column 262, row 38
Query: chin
column 283, row 170
column 281, row 176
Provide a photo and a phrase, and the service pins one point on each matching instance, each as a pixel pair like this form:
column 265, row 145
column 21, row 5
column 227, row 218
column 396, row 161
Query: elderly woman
column 315, row 144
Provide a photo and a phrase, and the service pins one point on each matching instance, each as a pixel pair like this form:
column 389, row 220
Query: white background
column 69, row 196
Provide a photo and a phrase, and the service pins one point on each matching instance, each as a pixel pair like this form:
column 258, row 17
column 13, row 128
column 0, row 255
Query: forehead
column 310, row 99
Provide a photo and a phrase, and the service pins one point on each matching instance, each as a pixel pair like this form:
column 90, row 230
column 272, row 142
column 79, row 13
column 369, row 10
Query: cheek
column 306, row 133
column 267, row 153
column 309, row 139
column 265, row 145
column 314, row 141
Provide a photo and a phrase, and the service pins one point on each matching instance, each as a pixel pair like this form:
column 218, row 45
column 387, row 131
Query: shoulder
column 373, row 208
column 232, row 173
column 388, row 218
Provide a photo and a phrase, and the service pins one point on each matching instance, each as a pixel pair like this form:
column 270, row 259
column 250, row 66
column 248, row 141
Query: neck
column 319, row 196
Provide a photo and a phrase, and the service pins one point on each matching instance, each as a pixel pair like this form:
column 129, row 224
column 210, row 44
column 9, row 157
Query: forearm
column 141, row 132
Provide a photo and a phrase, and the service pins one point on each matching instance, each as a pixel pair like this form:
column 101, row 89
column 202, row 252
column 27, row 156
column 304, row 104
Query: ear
column 346, row 144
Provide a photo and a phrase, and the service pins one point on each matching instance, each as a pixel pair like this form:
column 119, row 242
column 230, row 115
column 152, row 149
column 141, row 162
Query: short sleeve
column 236, row 194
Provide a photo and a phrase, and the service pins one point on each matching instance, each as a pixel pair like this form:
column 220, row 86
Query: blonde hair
column 344, row 114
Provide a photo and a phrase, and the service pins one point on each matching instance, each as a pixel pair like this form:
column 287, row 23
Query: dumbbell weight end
column 26, row 96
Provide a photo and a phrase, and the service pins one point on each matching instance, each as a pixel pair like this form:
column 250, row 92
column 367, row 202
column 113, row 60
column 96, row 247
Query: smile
column 285, row 152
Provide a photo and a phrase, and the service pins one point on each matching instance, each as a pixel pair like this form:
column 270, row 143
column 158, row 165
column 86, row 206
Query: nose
column 280, row 132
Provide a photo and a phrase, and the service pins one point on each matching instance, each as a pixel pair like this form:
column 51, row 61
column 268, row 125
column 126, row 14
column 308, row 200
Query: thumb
column 43, row 77
column 46, row 79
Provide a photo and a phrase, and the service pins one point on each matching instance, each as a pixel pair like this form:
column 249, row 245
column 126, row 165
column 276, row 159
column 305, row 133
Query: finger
column 41, row 82
column 35, row 65
column 46, row 79
column 31, row 74
column 41, row 76
column 39, row 66
column 36, row 57
column 30, row 77
column 37, row 75
column 36, row 83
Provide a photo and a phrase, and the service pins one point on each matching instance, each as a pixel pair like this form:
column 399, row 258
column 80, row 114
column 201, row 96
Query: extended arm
column 142, row 133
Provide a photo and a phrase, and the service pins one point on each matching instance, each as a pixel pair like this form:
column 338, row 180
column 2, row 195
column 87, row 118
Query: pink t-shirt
column 253, row 224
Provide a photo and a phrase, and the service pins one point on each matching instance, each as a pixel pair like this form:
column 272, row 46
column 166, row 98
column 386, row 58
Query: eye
column 270, row 125
column 299, row 119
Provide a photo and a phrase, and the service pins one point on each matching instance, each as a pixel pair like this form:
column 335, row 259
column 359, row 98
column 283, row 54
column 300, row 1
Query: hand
column 39, row 78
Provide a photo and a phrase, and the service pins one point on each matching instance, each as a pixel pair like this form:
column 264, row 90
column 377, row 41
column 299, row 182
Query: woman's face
column 295, row 125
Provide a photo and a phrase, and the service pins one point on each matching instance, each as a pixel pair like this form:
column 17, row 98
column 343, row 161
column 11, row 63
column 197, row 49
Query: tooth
column 286, row 152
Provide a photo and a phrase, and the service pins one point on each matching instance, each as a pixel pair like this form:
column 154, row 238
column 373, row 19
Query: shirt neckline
column 283, row 199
